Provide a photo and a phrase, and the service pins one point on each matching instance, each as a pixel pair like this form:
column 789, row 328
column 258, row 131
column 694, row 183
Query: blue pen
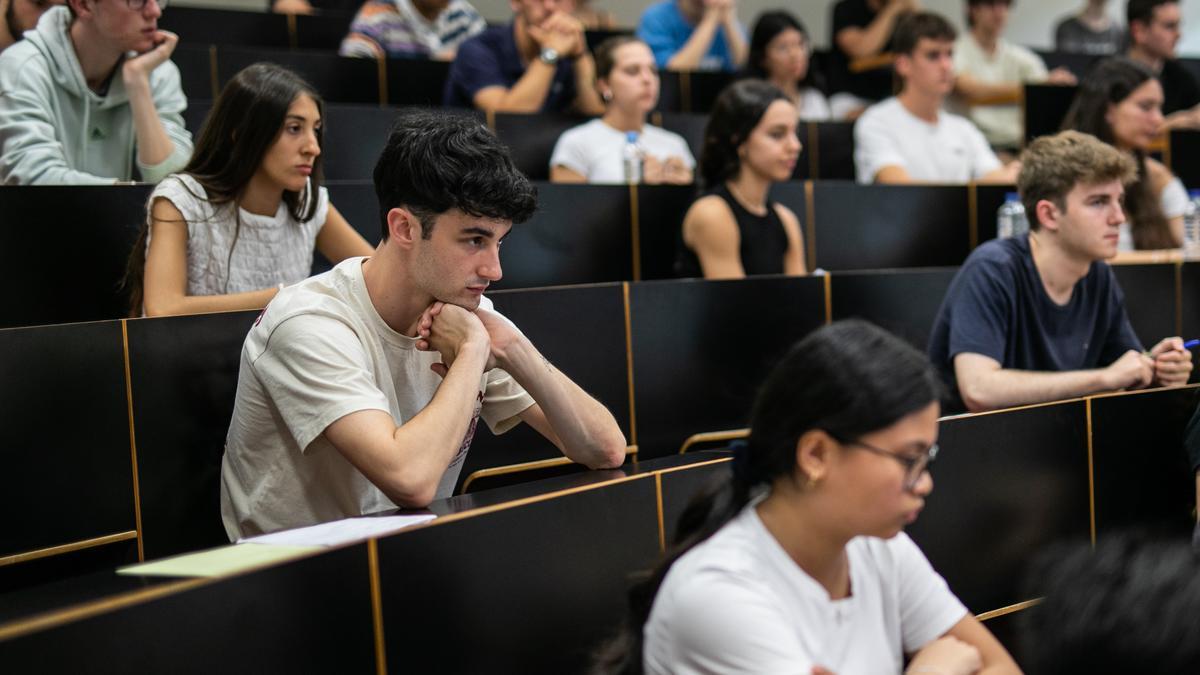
column 1191, row 343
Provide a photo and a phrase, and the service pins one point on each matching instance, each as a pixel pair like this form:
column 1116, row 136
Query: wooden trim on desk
column 1009, row 610
column 685, row 91
column 828, row 283
column 629, row 365
column 133, row 459
column 810, row 227
column 713, row 437
column 1091, row 467
column 62, row 549
column 513, row 468
column 1140, row 392
column 635, row 227
column 872, row 62
column 972, row 215
column 1179, row 297
column 658, row 499
column 814, row 147
column 376, row 606
column 293, row 34
column 1014, row 408
column 382, row 83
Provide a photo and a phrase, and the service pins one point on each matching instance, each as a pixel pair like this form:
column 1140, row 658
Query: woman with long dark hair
column 798, row 562
column 736, row 229
column 1120, row 102
column 780, row 53
column 242, row 218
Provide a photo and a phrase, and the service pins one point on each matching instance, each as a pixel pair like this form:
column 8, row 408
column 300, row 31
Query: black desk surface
column 58, row 595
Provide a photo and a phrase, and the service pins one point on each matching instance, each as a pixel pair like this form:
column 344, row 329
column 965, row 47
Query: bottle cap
column 1012, row 197
column 1194, row 193
column 631, row 136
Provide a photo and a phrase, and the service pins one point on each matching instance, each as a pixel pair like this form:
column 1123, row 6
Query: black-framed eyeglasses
column 139, row 5
column 914, row 467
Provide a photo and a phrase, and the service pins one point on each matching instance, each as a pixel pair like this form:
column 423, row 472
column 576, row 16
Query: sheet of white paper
column 339, row 531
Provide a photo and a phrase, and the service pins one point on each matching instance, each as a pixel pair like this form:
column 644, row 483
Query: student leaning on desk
column 1042, row 317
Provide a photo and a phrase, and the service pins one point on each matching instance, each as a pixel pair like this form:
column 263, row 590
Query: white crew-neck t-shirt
column 737, row 603
column 593, row 150
column 950, row 151
column 319, row 352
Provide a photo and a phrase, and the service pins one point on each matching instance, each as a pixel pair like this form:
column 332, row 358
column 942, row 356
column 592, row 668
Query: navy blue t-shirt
column 997, row 306
column 491, row 59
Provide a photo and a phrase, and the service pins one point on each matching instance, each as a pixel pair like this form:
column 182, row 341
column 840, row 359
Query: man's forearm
column 154, row 146
column 689, row 56
column 529, row 93
column 588, row 432
column 1006, row 388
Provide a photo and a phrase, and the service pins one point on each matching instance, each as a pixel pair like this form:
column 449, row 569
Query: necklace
column 756, row 209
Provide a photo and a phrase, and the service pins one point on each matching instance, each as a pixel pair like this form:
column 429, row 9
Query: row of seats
column 622, row 234
column 1008, row 484
column 670, row 359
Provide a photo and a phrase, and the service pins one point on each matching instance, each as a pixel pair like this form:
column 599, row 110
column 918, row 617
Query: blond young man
column 1041, row 317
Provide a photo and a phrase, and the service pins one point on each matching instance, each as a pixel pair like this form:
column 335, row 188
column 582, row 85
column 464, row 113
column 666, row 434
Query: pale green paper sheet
column 217, row 562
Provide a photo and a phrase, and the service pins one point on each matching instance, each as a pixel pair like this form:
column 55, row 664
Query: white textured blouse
column 266, row 250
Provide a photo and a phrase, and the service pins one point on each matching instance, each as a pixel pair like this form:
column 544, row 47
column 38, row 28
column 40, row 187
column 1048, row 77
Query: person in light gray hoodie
column 90, row 93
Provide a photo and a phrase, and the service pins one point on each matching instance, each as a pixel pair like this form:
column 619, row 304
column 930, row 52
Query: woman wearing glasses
column 799, row 563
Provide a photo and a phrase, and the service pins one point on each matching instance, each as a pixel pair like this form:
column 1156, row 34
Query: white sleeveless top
column 269, row 249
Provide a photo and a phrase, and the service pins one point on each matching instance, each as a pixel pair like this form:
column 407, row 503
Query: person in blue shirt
column 538, row 63
column 694, row 34
column 1041, row 317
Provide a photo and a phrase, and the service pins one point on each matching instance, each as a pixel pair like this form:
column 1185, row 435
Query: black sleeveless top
column 764, row 242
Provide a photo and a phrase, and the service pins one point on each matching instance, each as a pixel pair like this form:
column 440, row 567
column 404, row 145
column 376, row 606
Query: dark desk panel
column 691, row 92
column 195, row 73
column 64, row 436
column 1185, row 156
column 531, row 138
column 184, row 373
column 1045, row 108
column 201, row 25
column 835, row 150
column 880, row 226
column 580, row 234
column 691, row 127
column 988, row 200
column 324, row 30
column 905, row 302
column 1005, row 485
column 1141, row 469
column 357, row 203
column 701, row 348
column 1149, row 299
column 354, row 137
column 660, row 212
column 1078, row 64
column 1190, row 301
column 581, row 330
column 530, row 589
column 416, row 82
column 336, row 78
column 307, row 616
column 679, row 488
column 87, row 231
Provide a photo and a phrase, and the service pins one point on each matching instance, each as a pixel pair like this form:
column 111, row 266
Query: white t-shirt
column 1173, row 201
column 319, row 352
column 269, row 250
column 737, row 603
column 593, row 150
column 1000, row 124
column 950, row 151
column 814, row 106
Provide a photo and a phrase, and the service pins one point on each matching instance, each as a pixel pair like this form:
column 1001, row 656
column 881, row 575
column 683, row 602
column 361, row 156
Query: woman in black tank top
column 735, row 230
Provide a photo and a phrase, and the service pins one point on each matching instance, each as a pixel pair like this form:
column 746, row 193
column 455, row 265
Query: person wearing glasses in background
column 90, row 96
column 798, row 562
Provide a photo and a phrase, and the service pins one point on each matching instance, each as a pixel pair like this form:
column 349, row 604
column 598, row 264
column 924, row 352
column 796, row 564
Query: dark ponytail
column 849, row 379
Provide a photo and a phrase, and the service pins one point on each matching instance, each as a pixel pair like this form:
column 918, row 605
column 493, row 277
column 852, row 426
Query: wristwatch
column 549, row 56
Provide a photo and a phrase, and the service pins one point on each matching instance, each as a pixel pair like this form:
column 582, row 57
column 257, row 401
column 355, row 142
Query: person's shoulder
column 488, row 40
column 708, row 208
column 883, row 112
column 996, row 255
column 1158, row 173
column 662, row 135
column 24, row 65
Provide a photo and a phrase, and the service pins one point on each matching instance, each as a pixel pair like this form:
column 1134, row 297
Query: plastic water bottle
column 1010, row 219
column 1191, row 226
column 631, row 158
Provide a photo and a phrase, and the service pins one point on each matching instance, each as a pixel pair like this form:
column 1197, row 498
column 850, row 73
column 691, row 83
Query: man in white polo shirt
column 909, row 138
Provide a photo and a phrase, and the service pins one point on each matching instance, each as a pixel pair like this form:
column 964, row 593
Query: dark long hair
column 1109, row 83
column 244, row 123
column 848, row 379
column 738, row 109
column 766, row 27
